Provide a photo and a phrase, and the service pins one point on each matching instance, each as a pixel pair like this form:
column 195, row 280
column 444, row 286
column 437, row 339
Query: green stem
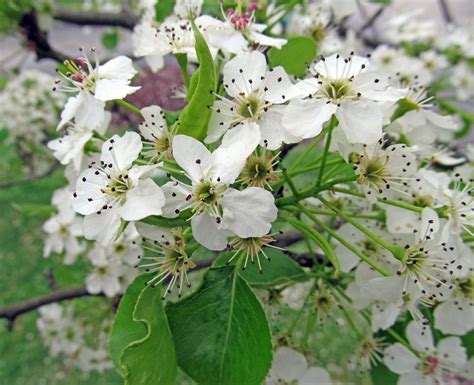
column 293, row 324
column 332, row 124
column 290, row 183
column 309, row 328
column 341, row 240
column 98, row 135
column 395, row 250
column 402, row 205
column 306, row 151
column 128, row 106
column 315, row 167
column 312, row 190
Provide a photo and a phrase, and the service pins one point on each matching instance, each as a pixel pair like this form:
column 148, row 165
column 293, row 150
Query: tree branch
column 38, row 39
column 446, row 12
column 47, row 173
column 370, row 22
column 125, row 18
column 11, row 312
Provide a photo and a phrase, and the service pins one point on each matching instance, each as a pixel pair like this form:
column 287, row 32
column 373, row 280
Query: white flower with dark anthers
column 368, row 353
column 456, row 314
column 380, row 171
column 425, row 363
column 169, row 261
column 341, row 86
column 114, row 189
column 256, row 94
column 70, row 147
column 260, row 170
column 156, row 134
column 237, row 32
column 105, row 274
column 291, row 367
column 426, row 267
column 219, row 211
column 95, row 85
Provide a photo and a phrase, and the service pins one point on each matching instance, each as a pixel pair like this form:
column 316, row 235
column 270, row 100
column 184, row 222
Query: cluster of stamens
column 170, row 262
column 259, row 171
column 241, row 20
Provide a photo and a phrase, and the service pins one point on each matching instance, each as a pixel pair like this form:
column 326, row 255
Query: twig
column 446, row 12
column 11, row 312
column 370, row 22
column 15, row 182
column 38, row 39
column 126, row 18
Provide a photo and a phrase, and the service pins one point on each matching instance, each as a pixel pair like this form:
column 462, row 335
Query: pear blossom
column 218, row 210
column 156, row 134
column 291, row 367
column 426, row 364
column 342, row 87
column 256, row 96
column 462, row 78
column 115, row 189
column 237, row 31
column 104, row 277
column 70, row 147
column 94, row 85
column 410, row 27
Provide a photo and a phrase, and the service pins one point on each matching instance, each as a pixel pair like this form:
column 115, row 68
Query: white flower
column 70, row 147
column 237, row 31
column 410, row 27
column 94, row 360
column 95, row 85
column 256, row 94
column 114, row 190
column 186, row 8
column 157, row 137
column 380, row 171
column 290, row 367
column 458, row 37
column 342, row 87
column 427, row 364
column 462, row 79
column 105, row 274
column 218, row 210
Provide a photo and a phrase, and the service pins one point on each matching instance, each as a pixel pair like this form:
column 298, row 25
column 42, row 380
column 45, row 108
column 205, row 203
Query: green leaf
column 382, row 375
column 280, row 269
column 110, row 39
column 163, row 9
column 124, row 329
column 221, row 332
column 147, row 353
column 195, row 116
column 294, row 55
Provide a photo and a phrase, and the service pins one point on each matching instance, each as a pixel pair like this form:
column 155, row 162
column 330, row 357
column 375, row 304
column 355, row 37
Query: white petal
column 207, row 233
column 110, row 89
column 384, row 316
column 417, row 378
column 420, row 337
column 334, row 67
column 269, row 41
column 451, row 350
column 121, row 151
column 443, row 121
column 244, row 73
column 154, row 123
column 177, row 199
column 120, row 67
column 155, row 233
column 70, row 108
column 192, row 156
column 399, row 359
column 143, row 200
column 429, row 222
column 314, row 376
column 288, row 364
column 387, row 289
column 102, row 227
column 278, row 87
column 361, row 121
column 156, row 62
column 88, row 196
column 401, row 221
column 271, row 129
column 249, row 213
column 453, row 318
column 305, row 118
column 220, row 121
column 90, row 113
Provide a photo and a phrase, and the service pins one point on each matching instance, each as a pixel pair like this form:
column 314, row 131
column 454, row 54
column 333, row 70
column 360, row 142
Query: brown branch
column 126, row 18
column 38, row 39
column 448, row 18
column 369, row 23
column 15, row 182
column 11, row 312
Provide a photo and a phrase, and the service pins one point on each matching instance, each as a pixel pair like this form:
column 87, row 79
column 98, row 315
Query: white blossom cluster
column 65, row 335
column 150, row 196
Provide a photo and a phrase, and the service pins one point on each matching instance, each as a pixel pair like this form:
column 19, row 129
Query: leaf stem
column 128, row 106
column 332, row 124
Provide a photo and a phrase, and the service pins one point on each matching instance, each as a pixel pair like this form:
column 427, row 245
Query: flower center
column 250, row 107
column 259, row 171
column 118, row 186
column 429, row 365
column 371, row 171
column 207, row 195
column 337, row 90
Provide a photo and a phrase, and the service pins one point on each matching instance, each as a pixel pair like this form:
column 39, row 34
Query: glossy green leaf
column 382, row 375
column 141, row 344
column 195, row 116
column 125, row 329
column 163, row 9
column 221, row 332
column 294, row 55
column 280, row 269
